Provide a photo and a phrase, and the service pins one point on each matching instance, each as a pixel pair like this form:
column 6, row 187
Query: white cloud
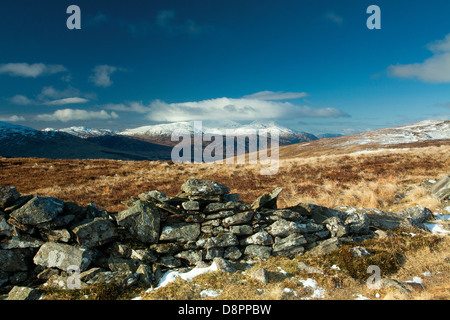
column 13, row 118
column 101, row 76
column 66, row 115
column 137, row 107
column 61, row 102
column 235, row 109
column 30, row 70
column 278, row 95
column 21, row 100
column 435, row 69
column 166, row 20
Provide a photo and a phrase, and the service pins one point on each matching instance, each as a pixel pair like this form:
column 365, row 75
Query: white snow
column 210, row 293
column 418, row 280
column 361, row 297
column 171, row 275
column 335, row 267
column 82, row 131
column 318, row 292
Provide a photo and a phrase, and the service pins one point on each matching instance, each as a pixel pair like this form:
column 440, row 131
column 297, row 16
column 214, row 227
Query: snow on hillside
column 210, row 126
column 8, row 129
column 82, row 131
column 421, row 131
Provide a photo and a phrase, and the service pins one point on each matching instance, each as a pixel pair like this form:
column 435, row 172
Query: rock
column 242, row 230
column 14, row 260
column 417, row 215
column 223, row 206
column 232, row 253
column 326, row 246
column 318, row 213
column 336, row 227
column 357, row 223
column 289, row 246
column 262, row 238
column 23, row 293
column 287, row 214
column 267, row 200
column 359, row 252
column 191, row 256
column 38, row 210
column 170, row 261
column 196, row 187
column 220, row 215
column 8, row 195
column 224, row 265
column 384, row 220
column 154, row 195
column 63, row 256
column 122, row 265
column 96, row 232
column 21, row 242
column 222, row 240
column 305, row 268
column 262, row 252
column 441, row 189
column 283, row 228
column 212, row 253
column 191, row 205
column 87, row 275
column 383, row 234
column 61, row 235
column 145, row 274
column 260, row 275
column 142, row 221
column 239, row 218
column 121, row 279
column 145, row 256
column 181, row 232
column 5, row 228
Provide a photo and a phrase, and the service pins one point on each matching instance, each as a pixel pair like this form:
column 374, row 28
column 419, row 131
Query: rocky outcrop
column 46, row 239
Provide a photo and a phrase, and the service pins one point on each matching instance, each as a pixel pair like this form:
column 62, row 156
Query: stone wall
column 44, row 239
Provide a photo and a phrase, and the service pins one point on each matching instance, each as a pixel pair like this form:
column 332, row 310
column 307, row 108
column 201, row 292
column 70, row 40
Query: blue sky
column 310, row 65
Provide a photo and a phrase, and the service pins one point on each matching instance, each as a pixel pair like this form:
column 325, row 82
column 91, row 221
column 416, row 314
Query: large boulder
column 37, row 211
column 142, row 221
column 63, row 256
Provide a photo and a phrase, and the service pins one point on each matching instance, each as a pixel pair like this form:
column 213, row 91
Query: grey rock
column 96, row 232
column 181, row 232
column 283, row 228
column 232, row 253
column 145, row 274
column 122, row 265
column 146, row 256
column 170, row 261
column 262, row 238
column 289, row 246
column 222, row 206
column 219, row 215
column 197, row 187
column 239, row 218
column 326, row 246
column 154, row 195
column 63, row 256
column 23, row 293
column 319, row 213
column 222, row 240
column 258, row 251
column 391, row 283
column 118, row 278
column 142, row 221
column 224, row 265
column 288, row 214
column 242, row 230
column 261, row 275
column 38, row 210
column 191, row 205
column 8, row 195
column 336, row 227
column 267, row 200
column 417, row 215
column 61, row 235
column 21, row 242
column 5, row 228
column 212, row 253
column 191, row 256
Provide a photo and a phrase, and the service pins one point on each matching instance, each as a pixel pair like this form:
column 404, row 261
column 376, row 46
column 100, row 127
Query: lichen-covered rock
column 63, row 256
column 289, row 246
column 268, row 201
column 14, row 260
column 238, row 218
column 441, row 189
column 96, row 232
column 142, row 221
column 197, row 187
column 181, row 232
column 5, row 228
column 262, row 238
column 417, row 215
column 258, row 251
column 23, row 293
column 38, row 210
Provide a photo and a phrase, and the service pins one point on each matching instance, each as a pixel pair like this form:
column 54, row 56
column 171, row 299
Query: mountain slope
column 428, row 132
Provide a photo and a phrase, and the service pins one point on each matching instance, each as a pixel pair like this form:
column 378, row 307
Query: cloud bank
column 435, row 69
column 30, row 70
column 66, row 115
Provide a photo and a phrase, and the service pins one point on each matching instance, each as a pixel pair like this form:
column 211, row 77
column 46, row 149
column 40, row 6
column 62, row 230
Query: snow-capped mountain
column 163, row 132
column 83, row 132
